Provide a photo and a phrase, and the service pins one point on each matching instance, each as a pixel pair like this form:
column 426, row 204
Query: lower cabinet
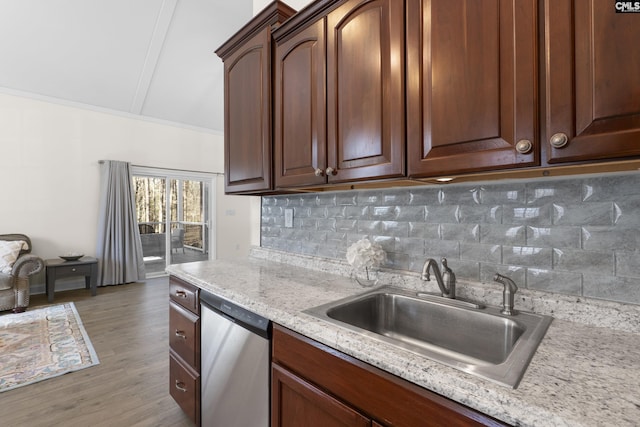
column 315, row 385
column 184, row 347
column 299, row 403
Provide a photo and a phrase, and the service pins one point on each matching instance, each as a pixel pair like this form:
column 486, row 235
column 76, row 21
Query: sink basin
column 466, row 336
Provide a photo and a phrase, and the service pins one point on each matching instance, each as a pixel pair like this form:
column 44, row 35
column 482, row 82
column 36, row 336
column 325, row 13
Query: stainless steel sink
column 466, row 336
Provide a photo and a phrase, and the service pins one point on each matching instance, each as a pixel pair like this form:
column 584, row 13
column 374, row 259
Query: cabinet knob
column 331, row 171
column 559, row 140
column 73, row 269
column 524, row 146
column 319, row 172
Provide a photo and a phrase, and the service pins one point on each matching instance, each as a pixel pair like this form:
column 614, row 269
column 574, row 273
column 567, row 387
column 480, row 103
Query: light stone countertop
column 584, row 373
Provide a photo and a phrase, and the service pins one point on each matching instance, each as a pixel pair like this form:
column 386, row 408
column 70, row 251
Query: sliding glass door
column 173, row 211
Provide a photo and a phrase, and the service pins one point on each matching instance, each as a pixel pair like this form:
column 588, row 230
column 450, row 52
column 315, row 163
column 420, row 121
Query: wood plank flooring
column 128, row 326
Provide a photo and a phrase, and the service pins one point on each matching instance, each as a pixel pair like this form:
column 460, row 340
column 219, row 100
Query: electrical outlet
column 288, row 218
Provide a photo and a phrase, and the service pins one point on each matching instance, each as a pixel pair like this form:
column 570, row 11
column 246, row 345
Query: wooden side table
column 59, row 269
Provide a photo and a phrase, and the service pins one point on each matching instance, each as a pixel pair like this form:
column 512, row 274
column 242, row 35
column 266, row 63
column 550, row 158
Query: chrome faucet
column 508, row 293
column 446, row 281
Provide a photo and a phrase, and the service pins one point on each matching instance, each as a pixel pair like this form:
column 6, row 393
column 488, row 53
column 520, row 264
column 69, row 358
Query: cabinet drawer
column 184, row 387
column 184, row 294
column 73, row 270
column 184, row 334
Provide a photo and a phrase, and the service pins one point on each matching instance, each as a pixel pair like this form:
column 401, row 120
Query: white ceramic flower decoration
column 364, row 254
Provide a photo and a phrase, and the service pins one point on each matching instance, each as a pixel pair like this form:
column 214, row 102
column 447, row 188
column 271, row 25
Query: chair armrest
column 27, row 265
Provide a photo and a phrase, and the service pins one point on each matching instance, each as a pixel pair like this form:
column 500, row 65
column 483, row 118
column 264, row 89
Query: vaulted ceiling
column 151, row 58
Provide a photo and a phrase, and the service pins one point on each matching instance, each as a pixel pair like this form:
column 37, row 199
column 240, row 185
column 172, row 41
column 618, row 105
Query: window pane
column 150, row 202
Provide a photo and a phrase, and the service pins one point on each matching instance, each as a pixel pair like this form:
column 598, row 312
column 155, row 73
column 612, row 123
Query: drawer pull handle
column 181, row 386
column 73, row 269
column 181, row 294
column 181, row 334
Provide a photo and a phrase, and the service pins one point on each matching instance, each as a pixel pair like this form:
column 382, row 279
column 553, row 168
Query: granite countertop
column 584, row 373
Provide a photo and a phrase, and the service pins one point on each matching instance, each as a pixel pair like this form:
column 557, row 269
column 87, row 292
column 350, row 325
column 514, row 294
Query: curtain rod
column 169, row 169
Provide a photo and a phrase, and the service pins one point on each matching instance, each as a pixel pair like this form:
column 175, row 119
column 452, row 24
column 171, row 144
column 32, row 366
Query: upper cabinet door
column 471, row 85
column 247, row 98
column 247, row 102
column 300, row 109
column 592, row 88
column 365, row 91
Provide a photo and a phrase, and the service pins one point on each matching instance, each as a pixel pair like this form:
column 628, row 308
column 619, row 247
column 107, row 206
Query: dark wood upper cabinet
column 339, row 94
column 247, row 101
column 471, row 85
column 591, row 84
column 365, row 90
column 300, row 143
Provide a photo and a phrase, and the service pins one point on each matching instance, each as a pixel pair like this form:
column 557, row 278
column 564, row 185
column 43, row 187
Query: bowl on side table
column 71, row 257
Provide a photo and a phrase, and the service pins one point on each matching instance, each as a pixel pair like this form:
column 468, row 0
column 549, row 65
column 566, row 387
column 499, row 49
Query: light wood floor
column 128, row 326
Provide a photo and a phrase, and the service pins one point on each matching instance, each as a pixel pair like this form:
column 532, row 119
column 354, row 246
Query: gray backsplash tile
column 600, row 213
column 610, row 238
column 569, row 191
column 618, row 187
column 554, row 281
column 625, row 212
column 612, row 288
column 526, row 256
column 554, row 237
column 424, row 230
column 575, row 235
column 481, row 252
column 628, row 264
column 460, row 232
column 586, row 262
column 533, row 215
column 476, row 214
column 503, row 234
column 423, row 196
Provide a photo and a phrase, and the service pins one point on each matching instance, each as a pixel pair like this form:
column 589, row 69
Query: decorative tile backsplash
column 578, row 235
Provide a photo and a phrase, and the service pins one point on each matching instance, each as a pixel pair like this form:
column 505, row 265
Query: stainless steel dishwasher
column 235, row 349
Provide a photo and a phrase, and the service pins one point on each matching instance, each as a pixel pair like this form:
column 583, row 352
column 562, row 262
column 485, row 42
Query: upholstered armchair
column 17, row 266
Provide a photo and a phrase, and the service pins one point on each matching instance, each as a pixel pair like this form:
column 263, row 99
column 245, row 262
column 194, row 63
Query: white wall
column 50, row 172
column 258, row 5
column 238, row 222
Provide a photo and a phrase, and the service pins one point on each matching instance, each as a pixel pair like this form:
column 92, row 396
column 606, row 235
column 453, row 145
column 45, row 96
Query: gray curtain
column 119, row 248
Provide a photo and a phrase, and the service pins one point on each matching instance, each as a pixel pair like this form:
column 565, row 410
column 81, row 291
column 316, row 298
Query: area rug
column 42, row 343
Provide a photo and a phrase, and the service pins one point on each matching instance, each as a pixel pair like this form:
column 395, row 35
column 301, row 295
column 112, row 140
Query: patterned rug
column 42, row 343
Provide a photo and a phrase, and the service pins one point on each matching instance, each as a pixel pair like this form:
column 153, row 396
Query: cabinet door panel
column 298, row 403
column 365, row 67
column 248, row 116
column 592, row 90
column 471, row 85
column 300, row 109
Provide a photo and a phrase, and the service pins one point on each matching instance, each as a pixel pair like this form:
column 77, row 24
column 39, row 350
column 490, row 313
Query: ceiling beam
column 167, row 10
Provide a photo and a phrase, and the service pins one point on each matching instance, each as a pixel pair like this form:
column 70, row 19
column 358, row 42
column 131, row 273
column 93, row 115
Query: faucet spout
column 508, row 294
column 446, row 281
